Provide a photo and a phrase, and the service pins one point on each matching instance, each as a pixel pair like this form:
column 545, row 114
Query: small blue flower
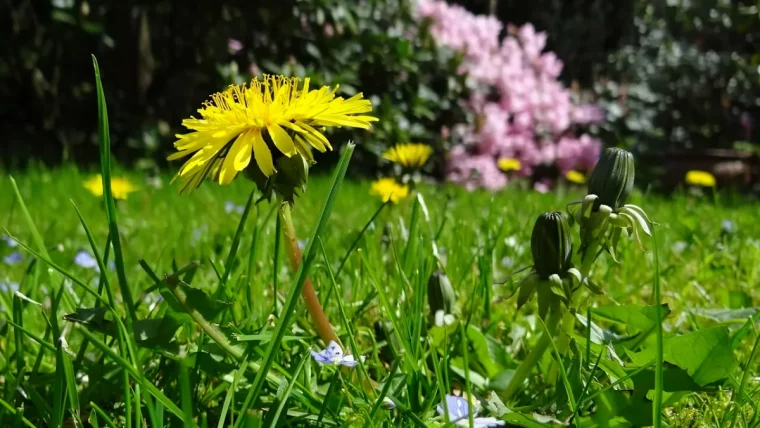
column 230, row 207
column 727, row 227
column 86, row 260
column 198, row 233
column 679, row 246
column 388, row 404
column 333, row 355
column 13, row 258
column 9, row 241
column 111, row 265
column 8, row 286
column 459, row 411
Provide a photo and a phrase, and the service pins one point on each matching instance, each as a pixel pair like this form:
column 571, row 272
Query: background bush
column 672, row 74
column 689, row 81
column 160, row 60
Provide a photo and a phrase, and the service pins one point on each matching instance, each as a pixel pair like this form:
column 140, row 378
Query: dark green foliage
column 690, row 80
column 164, row 58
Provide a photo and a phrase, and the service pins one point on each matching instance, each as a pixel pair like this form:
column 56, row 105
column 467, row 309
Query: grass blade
column 303, row 270
column 111, row 216
column 659, row 363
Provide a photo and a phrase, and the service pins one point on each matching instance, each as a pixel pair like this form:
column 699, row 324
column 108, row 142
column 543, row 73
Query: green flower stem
column 217, row 336
column 567, row 325
column 318, row 317
column 212, row 331
column 534, row 357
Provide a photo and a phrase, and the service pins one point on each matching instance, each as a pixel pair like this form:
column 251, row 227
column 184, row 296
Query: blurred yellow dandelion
column 248, row 121
column 121, row 187
column 576, row 177
column 389, row 189
column 700, row 178
column 509, row 164
column 409, row 155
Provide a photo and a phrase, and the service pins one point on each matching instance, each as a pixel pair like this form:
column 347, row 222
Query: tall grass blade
column 110, row 203
column 659, row 363
column 295, row 291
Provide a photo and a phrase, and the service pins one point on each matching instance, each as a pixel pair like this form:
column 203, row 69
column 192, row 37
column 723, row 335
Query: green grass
column 160, row 375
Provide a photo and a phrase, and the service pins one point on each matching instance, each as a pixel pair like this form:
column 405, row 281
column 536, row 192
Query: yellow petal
column 262, row 154
column 282, row 140
column 237, row 158
column 304, row 149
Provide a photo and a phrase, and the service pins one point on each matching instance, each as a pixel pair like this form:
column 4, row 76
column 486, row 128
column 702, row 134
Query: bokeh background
column 545, row 82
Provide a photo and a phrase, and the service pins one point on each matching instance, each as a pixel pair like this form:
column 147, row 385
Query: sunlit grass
column 702, row 268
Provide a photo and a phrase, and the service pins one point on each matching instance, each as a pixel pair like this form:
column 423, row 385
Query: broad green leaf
column 481, row 355
column 639, row 317
column 197, row 299
column 706, row 354
column 156, row 332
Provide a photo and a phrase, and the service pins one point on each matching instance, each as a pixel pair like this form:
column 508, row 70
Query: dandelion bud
column 612, row 179
column 551, row 244
column 440, row 293
column 288, row 181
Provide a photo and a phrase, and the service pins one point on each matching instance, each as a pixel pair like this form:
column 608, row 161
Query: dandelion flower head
column 121, row 187
column 509, row 164
column 409, row 155
column 700, row 178
column 576, row 177
column 248, row 122
column 389, row 190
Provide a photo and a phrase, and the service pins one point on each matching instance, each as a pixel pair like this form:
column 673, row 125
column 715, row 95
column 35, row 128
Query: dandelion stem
column 319, row 319
column 534, row 356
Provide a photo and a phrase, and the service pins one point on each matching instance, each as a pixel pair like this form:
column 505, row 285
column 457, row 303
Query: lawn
column 708, row 251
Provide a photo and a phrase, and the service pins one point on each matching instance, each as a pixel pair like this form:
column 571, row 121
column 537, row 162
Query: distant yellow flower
column 409, row 155
column 121, row 187
column 389, row 189
column 243, row 122
column 509, row 164
column 576, row 177
column 700, row 178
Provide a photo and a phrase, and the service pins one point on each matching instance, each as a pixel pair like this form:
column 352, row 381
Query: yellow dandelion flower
column 700, row 178
column 121, row 187
column 509, row 164
column 247, row 122
column 389, row 189
column 576, row 177
column 409, row 155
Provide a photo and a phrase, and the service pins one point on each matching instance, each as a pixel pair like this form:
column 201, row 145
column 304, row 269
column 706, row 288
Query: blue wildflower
column 13, row 258
column 459, row 411
column 86, row 260
column 8, row 286
column 388, row 404
column 333, row 355
column 230, row 207
column 9, row 241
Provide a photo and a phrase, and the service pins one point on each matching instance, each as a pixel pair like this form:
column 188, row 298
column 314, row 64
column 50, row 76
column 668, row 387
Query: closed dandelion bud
column 288, row 181
column 440, row 293
column 612, row 179
column 551, row 244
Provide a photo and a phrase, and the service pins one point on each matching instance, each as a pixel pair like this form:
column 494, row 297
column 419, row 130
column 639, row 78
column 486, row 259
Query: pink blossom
column 234, row 46
column 328, row 29
column 542, row 186
column 533, row 119
column 254, row 69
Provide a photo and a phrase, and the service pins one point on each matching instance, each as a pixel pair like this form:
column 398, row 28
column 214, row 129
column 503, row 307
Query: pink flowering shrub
column 523, row 111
